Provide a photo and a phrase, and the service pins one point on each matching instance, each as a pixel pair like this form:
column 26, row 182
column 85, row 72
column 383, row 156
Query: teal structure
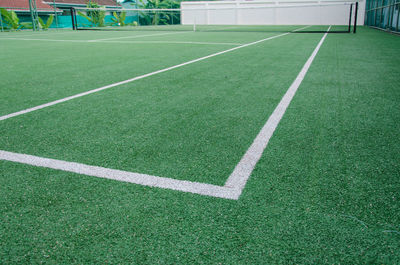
column 383, row 14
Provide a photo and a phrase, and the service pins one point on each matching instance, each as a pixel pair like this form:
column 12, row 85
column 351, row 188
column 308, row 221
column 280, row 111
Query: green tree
column 46, row 25
column 95, row 17
column 119, row 19
column 159, row 17
column 11, row 19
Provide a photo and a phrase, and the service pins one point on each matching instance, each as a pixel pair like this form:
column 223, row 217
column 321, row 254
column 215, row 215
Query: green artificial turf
column 325, row 190
column 36, row 72
column 192, row 123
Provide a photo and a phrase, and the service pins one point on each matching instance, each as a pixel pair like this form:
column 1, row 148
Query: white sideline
column 4, row 117
column 233, row 186
column 125, row 42
column 243, row 169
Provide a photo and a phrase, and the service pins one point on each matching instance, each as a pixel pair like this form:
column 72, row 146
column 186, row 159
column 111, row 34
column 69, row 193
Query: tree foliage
column 159, row 17
column 46, row 25
column 12, row 21
column 119, row 19
column 95, row 17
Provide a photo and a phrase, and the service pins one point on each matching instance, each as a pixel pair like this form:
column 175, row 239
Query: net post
column 351, row 13
column 194, row 24
column 355, row 18
column 73, row 18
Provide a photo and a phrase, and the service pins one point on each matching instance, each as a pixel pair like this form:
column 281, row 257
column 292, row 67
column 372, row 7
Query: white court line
column 141, row 36
column 210, row 29
column 243, row 169
column 233, row 186
column 178, row 42
column 4, row 117
column 138, row 42
column 125, row 176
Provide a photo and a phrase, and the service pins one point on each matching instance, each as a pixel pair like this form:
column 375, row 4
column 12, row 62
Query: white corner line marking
column 7, row 116
column 124, row 176
column 233, row 186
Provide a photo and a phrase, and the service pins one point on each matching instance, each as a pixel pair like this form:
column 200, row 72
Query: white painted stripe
column 222, row 27
column 133, row 79
column 178, row 42
column 245, row 167
column 125, row 42
column 233, row 186
column 216, row 27
column 141, row 36
column 125, row 176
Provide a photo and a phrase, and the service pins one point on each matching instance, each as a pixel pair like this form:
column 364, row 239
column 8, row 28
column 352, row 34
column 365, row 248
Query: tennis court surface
column 236, row 146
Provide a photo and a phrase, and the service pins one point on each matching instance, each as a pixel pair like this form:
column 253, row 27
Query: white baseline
column 234, row 185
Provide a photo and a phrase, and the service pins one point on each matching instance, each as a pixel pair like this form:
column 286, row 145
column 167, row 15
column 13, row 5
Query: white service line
column 216, row 28
column 7, row 116
column 177, row 42
column 141, row 36
column 234, row 185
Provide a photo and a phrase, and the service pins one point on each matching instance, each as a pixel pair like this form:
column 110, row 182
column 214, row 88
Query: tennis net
column 306, row 18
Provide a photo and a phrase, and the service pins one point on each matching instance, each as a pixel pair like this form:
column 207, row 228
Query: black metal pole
column 351, row 13
column 355, row 18
column 73, row 19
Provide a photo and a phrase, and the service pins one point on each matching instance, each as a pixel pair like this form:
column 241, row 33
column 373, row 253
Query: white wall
column 269, row 12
